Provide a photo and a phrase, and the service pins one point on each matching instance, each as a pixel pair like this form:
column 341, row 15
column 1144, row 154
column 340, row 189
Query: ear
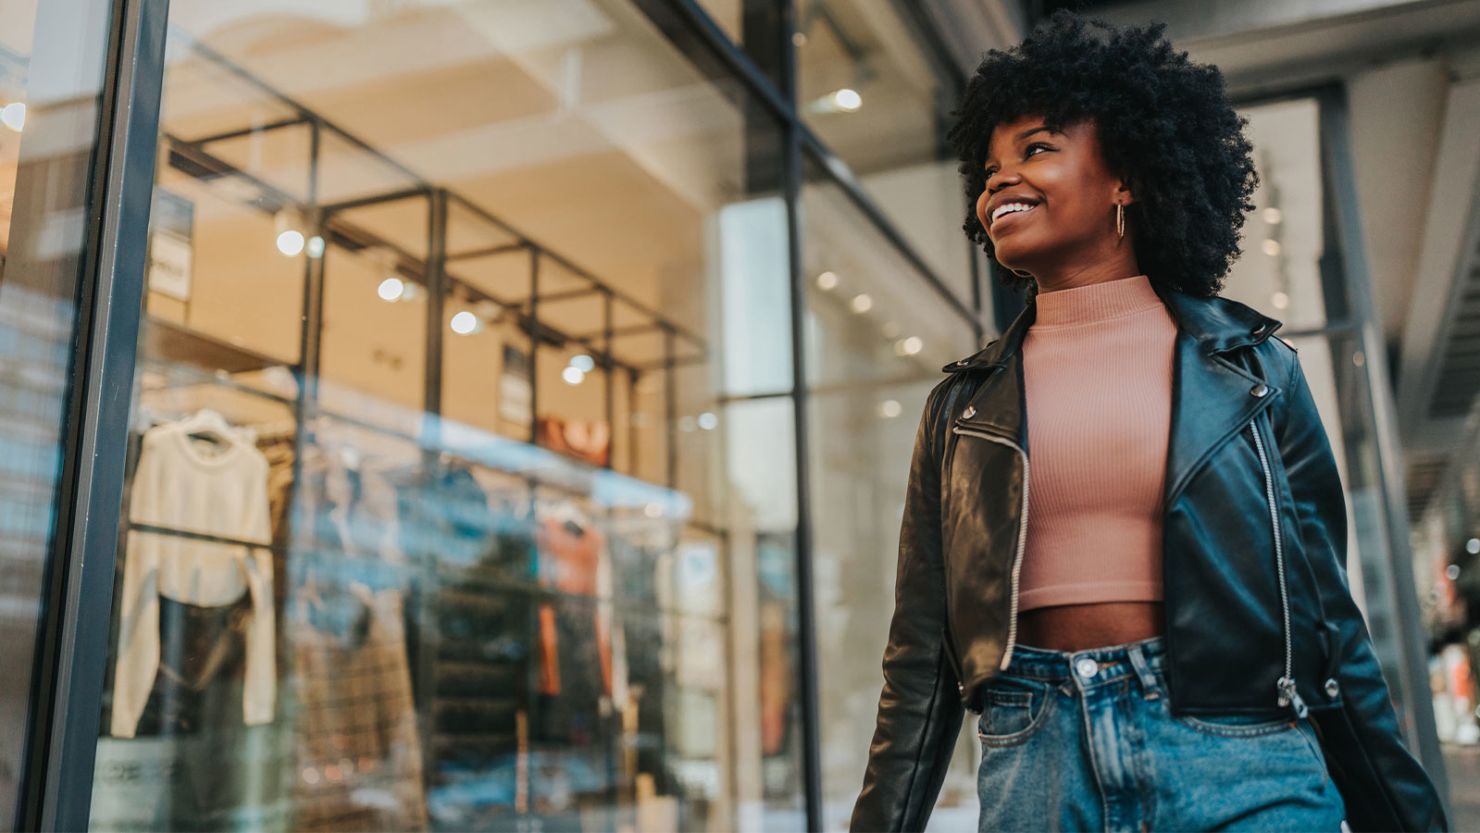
column 1124, row 189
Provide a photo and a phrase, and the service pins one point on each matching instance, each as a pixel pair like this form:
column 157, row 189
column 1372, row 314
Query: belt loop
column 1143, row 671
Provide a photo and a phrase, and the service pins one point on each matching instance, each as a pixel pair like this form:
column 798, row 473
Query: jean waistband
column 1109, row 662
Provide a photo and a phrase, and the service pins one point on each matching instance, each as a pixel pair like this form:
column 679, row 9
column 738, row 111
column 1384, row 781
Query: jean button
column 1086, row 666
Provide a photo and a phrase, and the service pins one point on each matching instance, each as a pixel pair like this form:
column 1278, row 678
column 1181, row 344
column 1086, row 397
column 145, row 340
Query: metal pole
column 1417, row 713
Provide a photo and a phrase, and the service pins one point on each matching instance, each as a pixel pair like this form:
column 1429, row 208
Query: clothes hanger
column 208, row 424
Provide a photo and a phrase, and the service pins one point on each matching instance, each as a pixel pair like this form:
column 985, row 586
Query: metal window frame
column 73, row 648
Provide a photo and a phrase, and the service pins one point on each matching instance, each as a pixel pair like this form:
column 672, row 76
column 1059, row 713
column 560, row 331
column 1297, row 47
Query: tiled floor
column 1462, row 764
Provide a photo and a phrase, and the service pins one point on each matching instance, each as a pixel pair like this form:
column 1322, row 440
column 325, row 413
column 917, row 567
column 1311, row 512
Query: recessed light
column 464, row 323
column 290, row 242
column 391, row 289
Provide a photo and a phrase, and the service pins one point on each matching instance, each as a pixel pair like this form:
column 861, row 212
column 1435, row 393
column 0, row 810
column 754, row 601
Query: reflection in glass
column 431, row 522
column 51, row 72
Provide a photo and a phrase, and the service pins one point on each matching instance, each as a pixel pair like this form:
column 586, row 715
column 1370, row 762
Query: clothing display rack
column 437, row 272
column 467, row 710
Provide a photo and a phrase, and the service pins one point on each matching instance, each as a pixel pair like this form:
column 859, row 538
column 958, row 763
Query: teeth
column 1009, row 208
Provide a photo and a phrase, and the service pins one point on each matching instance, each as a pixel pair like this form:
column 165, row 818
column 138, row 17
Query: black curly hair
column 1165, row 125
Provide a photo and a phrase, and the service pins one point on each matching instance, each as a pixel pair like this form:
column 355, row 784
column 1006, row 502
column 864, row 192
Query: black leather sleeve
column 920, row 714
column 1384, row 786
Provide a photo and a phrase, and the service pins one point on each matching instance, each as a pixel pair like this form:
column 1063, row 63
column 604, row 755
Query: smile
column 1012, row 217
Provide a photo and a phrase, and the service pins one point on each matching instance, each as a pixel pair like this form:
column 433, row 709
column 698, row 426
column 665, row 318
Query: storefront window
column 877, row 337
column 869, row 92
column 51, row 75
column 1283, row 238
column 434, row 517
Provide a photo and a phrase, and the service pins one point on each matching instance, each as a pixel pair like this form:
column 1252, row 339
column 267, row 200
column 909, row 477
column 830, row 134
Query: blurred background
column 494, row 414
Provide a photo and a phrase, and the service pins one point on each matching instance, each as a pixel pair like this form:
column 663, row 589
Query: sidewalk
column 1462, row 763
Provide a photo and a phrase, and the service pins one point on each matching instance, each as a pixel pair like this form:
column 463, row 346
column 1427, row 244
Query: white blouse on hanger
column 223, row 494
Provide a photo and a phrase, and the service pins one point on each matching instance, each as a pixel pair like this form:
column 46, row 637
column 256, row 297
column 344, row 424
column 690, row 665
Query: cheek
column 981, row 209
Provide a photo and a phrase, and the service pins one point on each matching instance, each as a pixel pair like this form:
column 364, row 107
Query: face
column 1070, row 227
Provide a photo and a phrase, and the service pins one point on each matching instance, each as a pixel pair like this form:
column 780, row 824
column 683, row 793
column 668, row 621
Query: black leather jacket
column 1254, row 575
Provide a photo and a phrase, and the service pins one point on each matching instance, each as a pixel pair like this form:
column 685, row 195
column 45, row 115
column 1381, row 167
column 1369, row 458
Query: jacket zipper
column 1284, row 686
column 1017, row 560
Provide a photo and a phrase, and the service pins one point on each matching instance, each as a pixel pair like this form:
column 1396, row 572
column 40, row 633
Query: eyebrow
column 1042, row 128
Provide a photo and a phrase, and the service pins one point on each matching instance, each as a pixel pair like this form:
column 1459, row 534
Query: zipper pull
column 1288, row 696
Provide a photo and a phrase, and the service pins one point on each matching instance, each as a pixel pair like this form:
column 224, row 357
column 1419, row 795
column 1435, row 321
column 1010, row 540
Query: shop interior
column 421, row 527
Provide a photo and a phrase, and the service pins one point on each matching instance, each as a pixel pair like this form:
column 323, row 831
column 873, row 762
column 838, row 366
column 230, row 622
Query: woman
column 1155, row 627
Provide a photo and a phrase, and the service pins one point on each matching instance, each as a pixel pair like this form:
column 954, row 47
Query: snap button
column 969, row 412
column 963, row 362
column 1086, row 666
column 1333, row 688
column 1259, row 390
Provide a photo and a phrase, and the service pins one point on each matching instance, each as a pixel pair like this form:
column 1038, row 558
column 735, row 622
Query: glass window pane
column 52, row 57
column 873, row 97
column 1283, row 240
column 877, row 337
column 445, row 478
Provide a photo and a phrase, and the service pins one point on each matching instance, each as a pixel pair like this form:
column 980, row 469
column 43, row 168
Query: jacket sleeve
column 1384, row 786
column 920, row 713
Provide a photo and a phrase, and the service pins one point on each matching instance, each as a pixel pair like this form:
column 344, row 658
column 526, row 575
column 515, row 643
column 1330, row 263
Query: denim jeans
column 1083, row 740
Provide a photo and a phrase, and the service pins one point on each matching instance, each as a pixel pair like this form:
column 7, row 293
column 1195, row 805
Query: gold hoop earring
column 1120, row 221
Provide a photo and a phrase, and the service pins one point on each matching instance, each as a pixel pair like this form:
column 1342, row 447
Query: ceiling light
column 583, row 363
column 13, row 115
column 465, row 323
column 1472, row 546
column 862, row 303
column 290, row 242
column 909, row 346
column 1273, row 216
column 889, row 409
column 573, row 375
column 827, row 281
column 847, row 99
column 1271, row 247
column 798, row 38
column 391, row 289
column 1452, row 571
column 316, row 246
column 1280, row 300
column 708, row 421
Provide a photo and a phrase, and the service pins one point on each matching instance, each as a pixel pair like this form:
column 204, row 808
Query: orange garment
column 1097, row 377
column 573, row 555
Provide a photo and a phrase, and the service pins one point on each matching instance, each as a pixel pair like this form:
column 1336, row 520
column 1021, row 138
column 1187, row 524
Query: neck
column 1097, row 301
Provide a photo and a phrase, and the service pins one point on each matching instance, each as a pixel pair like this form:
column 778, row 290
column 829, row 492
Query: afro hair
column 1165, row 126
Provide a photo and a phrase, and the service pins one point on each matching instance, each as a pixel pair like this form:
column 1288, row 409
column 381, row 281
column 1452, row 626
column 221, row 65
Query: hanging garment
column 181, row 486
column 359, row 755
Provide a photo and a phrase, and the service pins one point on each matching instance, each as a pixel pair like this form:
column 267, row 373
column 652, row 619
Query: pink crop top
column 1097, row 375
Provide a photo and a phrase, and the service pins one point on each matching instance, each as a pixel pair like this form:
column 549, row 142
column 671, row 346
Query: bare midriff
column 1083, row 626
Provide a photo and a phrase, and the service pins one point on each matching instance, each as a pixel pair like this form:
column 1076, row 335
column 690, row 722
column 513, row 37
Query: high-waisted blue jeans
column 1083, row 740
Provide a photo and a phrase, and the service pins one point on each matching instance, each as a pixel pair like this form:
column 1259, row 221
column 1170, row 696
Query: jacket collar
column 1212, row 396
column 1215, row 324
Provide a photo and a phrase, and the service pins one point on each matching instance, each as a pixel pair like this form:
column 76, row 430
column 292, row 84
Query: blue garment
column 1083, row 740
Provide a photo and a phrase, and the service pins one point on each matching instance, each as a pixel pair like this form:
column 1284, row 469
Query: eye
column 1026, row 154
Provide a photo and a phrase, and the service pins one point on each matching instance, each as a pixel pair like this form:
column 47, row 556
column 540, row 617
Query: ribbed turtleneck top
column 1097, row 375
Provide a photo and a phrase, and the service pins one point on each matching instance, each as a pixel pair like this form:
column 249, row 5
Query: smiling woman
column 1075, row 581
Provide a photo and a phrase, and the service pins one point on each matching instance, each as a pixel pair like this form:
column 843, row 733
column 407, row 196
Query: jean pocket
column 1012, row 710
column 1237, row 725
column 1313, row 743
